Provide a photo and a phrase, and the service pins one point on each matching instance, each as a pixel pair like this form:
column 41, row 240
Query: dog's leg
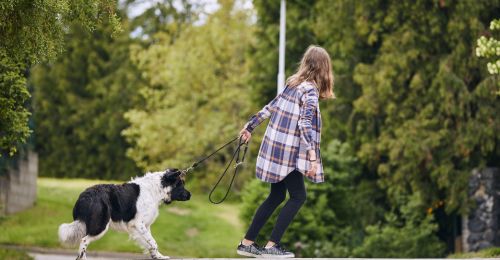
column 82, row 252
column 142, row 235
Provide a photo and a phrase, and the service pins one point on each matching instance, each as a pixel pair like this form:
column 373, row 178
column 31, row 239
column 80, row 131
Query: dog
column 130, row 207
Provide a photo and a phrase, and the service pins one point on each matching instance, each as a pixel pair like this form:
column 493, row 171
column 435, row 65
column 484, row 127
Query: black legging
column 294, row 182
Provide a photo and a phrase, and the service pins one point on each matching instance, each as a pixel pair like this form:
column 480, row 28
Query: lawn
column 195, row 228
column 11, row 254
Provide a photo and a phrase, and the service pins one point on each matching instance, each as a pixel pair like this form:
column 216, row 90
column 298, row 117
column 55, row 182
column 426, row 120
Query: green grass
column 492, row 252
column 195, row 228
column 13, row 254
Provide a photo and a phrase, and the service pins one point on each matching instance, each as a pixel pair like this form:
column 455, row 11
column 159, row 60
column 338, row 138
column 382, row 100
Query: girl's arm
column 262, row 115
column 308, row 107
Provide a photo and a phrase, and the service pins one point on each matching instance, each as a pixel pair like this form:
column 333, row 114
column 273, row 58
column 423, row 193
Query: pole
column 281, row 68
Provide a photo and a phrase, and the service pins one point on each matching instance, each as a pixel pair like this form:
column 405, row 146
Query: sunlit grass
column 11, row 254
column 191, row 229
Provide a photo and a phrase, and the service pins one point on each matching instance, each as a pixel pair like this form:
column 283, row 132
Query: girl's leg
column 266, row 209
column 294, row 182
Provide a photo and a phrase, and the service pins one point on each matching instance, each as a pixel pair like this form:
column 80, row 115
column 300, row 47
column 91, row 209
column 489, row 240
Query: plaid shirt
column 294, row 128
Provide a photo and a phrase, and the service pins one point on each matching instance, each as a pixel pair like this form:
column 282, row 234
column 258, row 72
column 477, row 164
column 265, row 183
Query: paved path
column 59, row 257
column 39, row 253
column 50, row 256
column 38, row 256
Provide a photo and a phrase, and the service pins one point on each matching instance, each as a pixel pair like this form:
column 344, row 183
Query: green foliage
column 195, row 94
column 490, row 48
column 31, row 32
column 426, row 115
column 341, row 26
column 263, row 64
column 491, row 252
column 407, row 232
column 407, row 241
column 167, row 16
column 13, row 95
column 413, row 102
column 79, row 102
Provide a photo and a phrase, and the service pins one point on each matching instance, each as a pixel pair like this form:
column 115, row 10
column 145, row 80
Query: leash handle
column 236, row 154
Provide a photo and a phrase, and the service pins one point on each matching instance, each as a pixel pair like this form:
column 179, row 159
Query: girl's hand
column 312, row 171
column 245, row 135
column 313, row 160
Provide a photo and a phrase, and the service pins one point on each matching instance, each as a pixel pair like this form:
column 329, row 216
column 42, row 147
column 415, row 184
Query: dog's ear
column 170, row 177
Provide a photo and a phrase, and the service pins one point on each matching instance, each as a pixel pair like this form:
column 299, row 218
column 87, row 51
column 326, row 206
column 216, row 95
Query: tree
column 413, row 102
column 167, row 16
column 426, row 116
column 31, row 32
column 264, row 52
column 13, row 95
column 79, row 102
column 195, row 95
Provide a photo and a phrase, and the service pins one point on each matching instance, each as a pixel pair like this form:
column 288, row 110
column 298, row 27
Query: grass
column 195, row 228
column 492, row 252
column 13, row 254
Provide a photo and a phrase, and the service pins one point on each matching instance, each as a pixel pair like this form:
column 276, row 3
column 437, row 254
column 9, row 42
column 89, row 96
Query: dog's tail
column 71, row 234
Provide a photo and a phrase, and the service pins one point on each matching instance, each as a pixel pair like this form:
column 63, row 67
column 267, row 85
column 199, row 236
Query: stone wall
column 481, row 228
column 18, row 185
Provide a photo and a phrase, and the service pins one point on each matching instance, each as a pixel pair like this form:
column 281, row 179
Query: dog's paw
column 81, row 257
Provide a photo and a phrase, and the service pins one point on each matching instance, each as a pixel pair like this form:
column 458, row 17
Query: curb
column 69, row 252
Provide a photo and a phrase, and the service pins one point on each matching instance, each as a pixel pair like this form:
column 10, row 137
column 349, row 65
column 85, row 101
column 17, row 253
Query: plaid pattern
column 294, row 128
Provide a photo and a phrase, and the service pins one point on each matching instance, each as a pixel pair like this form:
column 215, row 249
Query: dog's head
column 172, row 178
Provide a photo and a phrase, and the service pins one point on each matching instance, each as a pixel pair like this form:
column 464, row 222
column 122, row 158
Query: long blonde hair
column 315, row 66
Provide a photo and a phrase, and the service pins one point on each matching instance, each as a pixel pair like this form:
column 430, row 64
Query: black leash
column 238, row 162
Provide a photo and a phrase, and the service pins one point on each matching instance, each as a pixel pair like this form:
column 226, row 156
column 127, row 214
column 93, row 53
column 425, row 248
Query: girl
column 290, row 148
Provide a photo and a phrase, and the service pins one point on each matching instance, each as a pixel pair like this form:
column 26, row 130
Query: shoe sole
column 244, row 253
column 276, row 256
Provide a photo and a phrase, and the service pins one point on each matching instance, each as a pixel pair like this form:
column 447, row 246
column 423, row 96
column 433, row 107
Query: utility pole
column 281, row 68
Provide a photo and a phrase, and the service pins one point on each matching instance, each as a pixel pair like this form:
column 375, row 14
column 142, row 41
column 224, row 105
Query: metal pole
column 281, row 68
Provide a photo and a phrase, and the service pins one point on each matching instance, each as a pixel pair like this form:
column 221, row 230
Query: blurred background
column 99, row 91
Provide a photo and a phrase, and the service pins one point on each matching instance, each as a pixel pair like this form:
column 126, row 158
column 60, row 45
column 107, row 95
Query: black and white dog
column 131, row 207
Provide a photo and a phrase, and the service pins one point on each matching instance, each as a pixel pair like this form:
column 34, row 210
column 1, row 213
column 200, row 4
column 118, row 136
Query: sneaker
column 252, row 250
column 276, row 251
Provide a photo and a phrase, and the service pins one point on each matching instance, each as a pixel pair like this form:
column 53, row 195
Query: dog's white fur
column 151, row 196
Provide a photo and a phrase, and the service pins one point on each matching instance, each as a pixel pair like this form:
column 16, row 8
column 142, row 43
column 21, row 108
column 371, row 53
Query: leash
column 238, row 162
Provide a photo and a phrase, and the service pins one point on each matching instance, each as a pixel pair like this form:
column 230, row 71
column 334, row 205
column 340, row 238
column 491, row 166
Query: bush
column 492, row 252
column 408, row 241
